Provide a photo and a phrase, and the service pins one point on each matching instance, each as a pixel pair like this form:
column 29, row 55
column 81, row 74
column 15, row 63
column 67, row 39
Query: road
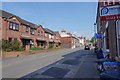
column 66, row 63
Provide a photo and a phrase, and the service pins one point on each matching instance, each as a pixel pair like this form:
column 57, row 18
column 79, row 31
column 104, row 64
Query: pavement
column 68, row 63
column 88, row 67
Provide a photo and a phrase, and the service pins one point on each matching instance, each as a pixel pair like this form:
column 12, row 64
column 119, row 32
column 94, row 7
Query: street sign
column 109, row 10
column 99, row 35
column 95, row 35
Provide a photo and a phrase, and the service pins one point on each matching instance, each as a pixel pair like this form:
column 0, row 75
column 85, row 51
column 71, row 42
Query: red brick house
column 29, row 34
column 110, row 35
column 69, row 41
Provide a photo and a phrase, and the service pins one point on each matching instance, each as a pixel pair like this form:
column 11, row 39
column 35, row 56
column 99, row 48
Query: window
column 45, row 43
column 38, row 33
column 56, row 38
column 46, row 35
column 10, row 39
column 42, row 44
column 32, row 31
column 26, row 29
column 41, row 33
column 10, row 25
column 17, row 27
column 50, row 36
column 32, row 42
column 14, row 26
column 118, row 36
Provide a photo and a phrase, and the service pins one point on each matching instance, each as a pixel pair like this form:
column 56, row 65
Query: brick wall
column 110, row 36
column 7, row 33
column 66, row 42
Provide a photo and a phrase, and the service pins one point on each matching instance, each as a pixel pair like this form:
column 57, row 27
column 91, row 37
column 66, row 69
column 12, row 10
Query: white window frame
column 41, row 33
column 56, row 38
column 11, row 25
column 32, row 31
column 26, row 28
column 17, row 27
column 46, row 35
column 14, row 26
column 50, row 36
column 117, row 30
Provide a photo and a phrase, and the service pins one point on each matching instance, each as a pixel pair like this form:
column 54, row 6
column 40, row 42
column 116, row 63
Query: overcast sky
column 74, row 17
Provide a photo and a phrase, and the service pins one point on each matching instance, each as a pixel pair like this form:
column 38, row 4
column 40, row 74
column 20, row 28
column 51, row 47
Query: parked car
column 87, row 47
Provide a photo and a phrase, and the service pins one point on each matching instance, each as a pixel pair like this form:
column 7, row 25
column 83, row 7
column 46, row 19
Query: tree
column 92, row 39
column 88, row 40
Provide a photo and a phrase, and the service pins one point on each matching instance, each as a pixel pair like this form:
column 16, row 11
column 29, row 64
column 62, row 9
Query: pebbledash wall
column 109, row 39
column 29, row 34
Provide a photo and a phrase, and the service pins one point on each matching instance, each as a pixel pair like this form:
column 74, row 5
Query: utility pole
column 95, row 31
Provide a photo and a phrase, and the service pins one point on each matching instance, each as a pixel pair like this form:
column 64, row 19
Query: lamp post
column 95, row 32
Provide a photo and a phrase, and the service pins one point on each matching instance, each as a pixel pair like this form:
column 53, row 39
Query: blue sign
column 95, row 35
column 99, row 35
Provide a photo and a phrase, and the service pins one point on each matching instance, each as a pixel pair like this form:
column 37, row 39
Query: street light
column 94, row 32
column 95, row 27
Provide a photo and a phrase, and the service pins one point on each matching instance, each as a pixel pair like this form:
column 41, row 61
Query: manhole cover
column 72, row 62
column 56, row 72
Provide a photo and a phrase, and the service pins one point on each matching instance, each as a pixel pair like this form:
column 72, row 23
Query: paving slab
column 88, row 68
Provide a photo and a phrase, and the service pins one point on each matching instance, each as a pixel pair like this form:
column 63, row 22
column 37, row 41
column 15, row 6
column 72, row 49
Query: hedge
column 37, row 48
column 12, row 46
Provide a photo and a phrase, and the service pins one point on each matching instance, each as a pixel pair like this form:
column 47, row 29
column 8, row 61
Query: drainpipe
column 6, row 30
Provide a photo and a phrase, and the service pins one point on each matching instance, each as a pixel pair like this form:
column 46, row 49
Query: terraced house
column 29, row 34
column 110, row 29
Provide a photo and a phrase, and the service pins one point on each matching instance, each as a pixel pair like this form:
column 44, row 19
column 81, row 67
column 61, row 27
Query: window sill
column 13, row 30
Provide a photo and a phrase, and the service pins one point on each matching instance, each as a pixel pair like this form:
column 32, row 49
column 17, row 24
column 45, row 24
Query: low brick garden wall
column 18, row 54
column 13, row 54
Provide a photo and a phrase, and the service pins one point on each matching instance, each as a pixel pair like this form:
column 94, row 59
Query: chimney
column 69, row 34
column 63, row 31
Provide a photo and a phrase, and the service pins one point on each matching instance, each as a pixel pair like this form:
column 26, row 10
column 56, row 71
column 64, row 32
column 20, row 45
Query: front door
column 25, row 43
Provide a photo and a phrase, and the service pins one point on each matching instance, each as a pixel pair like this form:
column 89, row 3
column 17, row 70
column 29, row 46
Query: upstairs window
column 56, row 38
column 32, row 31
column 46, row 35
column 38, row 33
column 41, row 33
column 14, row 26
column 11, row 25
column 52, row 37
column 17, row 27
column 26, row 29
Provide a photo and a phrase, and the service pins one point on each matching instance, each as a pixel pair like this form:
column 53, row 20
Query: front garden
column 15, row 49
column 12, row 46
